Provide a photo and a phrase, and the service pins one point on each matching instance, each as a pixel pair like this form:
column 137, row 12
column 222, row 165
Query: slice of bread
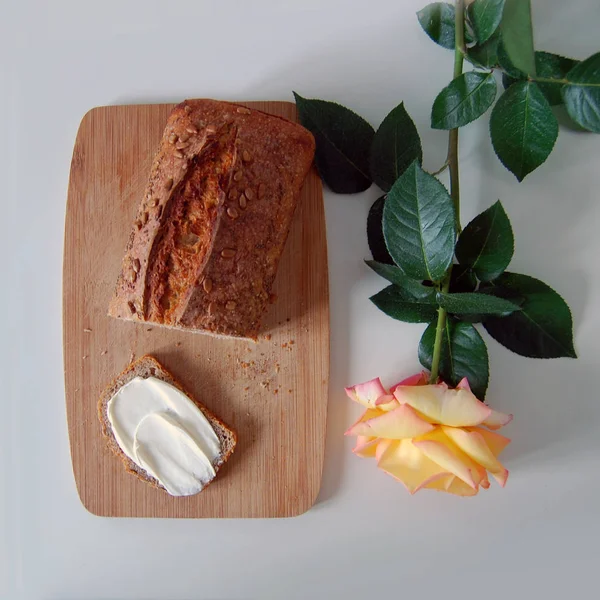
column 148, row 366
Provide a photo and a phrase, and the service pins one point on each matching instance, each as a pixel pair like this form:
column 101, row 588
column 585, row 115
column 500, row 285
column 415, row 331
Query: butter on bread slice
column 144, row 367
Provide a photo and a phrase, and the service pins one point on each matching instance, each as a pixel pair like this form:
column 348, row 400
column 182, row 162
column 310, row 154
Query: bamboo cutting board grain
column 274, row 392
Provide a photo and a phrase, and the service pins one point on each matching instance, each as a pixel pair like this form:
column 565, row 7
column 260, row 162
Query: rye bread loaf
column 148, row 366
column 211, row 227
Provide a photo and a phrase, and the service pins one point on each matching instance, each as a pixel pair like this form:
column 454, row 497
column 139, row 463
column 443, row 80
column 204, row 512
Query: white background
column 365, row 537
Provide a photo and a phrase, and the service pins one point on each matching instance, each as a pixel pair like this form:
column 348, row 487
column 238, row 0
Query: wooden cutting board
column 274, row 392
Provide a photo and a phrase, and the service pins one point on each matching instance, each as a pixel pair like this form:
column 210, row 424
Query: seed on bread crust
column 243, row 110
column 232, row 213
column 249, row 193
column 230, row 305
column 261, row 190
column 169, row 184
column 246, row 156
column 207, row 284
column 228, row 253
column 242, row 201
column 237, row 175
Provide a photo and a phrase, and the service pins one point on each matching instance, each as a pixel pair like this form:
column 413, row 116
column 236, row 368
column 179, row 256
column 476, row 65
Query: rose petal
column 441, row 450
column 403, row 461
column 366, row 393
column 458, row 408
column 400, row 423
column 418, row 379
column 473, row 444
column 386, row 403
column 382, row 448
column 460, row 488
column 365, row 446
column 495, row 441
column 496, row 419
column 463, row 384
column 370, row 413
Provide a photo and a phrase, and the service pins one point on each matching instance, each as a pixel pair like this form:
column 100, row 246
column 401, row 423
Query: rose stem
column 452, row 160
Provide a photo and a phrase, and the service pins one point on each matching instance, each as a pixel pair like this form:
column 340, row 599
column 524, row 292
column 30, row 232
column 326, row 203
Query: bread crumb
column 276, row 391
column 178, row 344
column 149, row 329
column 289, row 391
column 84, row 356
column 277, row 368
column 103, row 352
column 264, row 384
column 268, row 337
column 292, row 342
column 284, row 345
column 288, row 319
column 246, row 389
column 87, row 330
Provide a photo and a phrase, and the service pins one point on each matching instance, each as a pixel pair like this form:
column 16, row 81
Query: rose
column 430, row 436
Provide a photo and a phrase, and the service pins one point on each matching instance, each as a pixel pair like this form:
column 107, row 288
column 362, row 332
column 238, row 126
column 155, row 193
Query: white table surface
column 365, row 537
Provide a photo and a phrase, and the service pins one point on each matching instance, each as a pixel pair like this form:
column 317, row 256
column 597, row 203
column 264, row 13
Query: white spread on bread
column 163, row 432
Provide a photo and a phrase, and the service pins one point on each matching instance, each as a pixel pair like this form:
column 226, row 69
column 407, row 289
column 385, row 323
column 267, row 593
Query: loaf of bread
column 212, row 224
column 144, row 367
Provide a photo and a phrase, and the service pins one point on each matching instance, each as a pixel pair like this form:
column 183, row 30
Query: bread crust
column 204, row 248
column 148, row 366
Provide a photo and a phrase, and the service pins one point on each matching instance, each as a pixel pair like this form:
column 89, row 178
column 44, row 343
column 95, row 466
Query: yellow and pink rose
column 430, row 436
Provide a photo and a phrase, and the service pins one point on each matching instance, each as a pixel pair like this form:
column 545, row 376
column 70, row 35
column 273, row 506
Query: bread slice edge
column 148, row 366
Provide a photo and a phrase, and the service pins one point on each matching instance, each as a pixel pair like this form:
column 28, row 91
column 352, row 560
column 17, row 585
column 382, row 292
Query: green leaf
column 463, row 354
column 582, row 95
column 343, row 142
column 486, row 54
column 462, row 279
column 411, row 289
column 419, row 225
column 393, row 302
column 471, row 303
column 485, row 16
column 465, row 99
column 517, row 34
column 375, row 237
column 551, row 66
column 437, row 19
column 395, row 146
column 506, row 64
column 487, row 243
column 523, row 128
column 543, row 328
